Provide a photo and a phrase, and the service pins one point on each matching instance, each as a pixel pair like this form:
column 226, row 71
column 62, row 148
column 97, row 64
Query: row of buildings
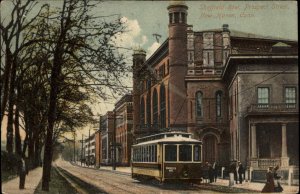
column 237, row 92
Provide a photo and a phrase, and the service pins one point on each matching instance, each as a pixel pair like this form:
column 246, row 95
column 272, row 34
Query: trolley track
column 81, row 186
column 106, row 181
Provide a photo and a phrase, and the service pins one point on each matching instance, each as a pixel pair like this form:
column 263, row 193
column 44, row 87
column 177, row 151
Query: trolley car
column 167, row 156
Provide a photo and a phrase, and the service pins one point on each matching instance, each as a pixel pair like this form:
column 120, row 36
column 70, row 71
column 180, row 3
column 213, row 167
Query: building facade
column 123, row 113
column 90, row 149
column 199, row 82
column 264, row 113
column 107, row 133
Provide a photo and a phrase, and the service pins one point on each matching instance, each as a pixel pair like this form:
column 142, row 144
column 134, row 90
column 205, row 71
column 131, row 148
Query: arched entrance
column 209, row 148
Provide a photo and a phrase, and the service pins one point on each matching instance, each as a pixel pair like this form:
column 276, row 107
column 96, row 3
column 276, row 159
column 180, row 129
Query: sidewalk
column 118, row 169
column 255, row 186
column 31, row 182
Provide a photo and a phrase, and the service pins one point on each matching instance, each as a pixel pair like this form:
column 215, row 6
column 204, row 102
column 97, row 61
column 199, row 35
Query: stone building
column 264, row 113
column 123, row 113
column 197, row 81
column 89, row 149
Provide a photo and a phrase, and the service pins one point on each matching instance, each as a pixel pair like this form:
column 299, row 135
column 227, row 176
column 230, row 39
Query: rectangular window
column 263, row 97
column 197, row 153
column 208, row 58
column 185, row 153
column 155, row 154
column 290, row 97
column 171, row 153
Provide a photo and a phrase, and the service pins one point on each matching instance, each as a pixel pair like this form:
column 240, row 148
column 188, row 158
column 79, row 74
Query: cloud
column 132, row 36
column 152, row 48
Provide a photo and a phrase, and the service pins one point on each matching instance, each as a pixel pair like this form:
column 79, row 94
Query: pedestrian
column 205, row 173
column 210, row 173
column 22, row 173
column 241, row 171
column 269, row 186
column 232, row 173
column 234, row 168
column 215, row 171
column 277, row 187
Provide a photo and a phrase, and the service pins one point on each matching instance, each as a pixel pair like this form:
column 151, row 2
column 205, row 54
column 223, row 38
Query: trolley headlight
column 185, row 173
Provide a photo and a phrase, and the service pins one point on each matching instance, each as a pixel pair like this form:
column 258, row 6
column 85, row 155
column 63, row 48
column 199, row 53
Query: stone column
column 284, row 156
column 180, row 18
column 283, row 141
column 253, row 141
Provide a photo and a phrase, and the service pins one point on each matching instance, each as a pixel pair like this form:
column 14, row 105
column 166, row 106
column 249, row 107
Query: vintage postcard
column 149, row 96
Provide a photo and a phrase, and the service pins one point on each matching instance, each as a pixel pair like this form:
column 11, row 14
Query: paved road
column 113, row 183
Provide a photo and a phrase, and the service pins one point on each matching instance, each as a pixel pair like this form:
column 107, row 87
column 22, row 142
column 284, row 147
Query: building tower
column 139, row 57
column 178, row 64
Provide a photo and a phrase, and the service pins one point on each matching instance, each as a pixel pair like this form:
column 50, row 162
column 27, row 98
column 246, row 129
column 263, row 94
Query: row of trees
column 56, row 63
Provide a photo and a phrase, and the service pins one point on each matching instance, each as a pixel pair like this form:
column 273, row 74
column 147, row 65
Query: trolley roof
column 174, row 139
column 163, row 135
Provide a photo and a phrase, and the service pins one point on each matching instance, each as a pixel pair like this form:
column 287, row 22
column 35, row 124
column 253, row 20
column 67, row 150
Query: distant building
column 123, row 111
column 236, row 92
column 89, row 150
column 106, row 130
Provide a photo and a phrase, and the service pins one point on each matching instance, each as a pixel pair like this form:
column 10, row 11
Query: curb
column 99, row 169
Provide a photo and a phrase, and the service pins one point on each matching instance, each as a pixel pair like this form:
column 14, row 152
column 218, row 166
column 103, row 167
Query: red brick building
column 123, row 112
column 187, row 84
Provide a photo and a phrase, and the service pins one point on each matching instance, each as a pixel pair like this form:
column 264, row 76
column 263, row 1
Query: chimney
column 225, row 27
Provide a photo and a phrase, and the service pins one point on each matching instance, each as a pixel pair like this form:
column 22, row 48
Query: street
column 117, row 183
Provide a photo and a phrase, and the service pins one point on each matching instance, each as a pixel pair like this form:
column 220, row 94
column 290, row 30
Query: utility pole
column 74, row 153
column 114, row 143
column 81, row 150
column 89, row 148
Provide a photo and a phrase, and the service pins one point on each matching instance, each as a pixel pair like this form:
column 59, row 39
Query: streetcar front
column 182, row 161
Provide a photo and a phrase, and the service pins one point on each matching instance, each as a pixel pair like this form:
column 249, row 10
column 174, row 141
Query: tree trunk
column 5, row 80
column 18, row 147
column 9, row 135
column 56, row 69
column 36, row 153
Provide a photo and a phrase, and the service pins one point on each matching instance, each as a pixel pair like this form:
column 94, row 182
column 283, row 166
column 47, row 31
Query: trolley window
column 197, row 153
column 155, row 154
column 185, row 152
column 171, row 153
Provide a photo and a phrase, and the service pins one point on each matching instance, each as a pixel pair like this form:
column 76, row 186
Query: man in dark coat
column 234, row 171
column 241, row 172
column 210, row 173
column 215, row 171
column 205, row 172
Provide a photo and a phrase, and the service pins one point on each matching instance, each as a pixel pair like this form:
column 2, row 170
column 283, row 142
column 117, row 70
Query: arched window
column 219, row 103
column 155, row 108
column 162, row 106
column 142, row 113
column 199, row 104
column 148, row 109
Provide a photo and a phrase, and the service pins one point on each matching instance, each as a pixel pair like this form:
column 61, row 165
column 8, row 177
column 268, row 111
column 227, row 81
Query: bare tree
column 83, row 43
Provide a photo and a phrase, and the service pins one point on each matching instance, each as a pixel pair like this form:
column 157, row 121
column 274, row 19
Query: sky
column 144, row 18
